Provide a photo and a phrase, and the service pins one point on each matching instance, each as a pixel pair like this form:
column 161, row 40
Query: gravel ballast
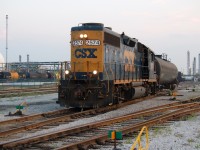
column 180, row 135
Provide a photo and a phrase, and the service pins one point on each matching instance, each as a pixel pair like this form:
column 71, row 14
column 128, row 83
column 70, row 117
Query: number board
column 92, row 42
column 87, row 42
column 77, row 42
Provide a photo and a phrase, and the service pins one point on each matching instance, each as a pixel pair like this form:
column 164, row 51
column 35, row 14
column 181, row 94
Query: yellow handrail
column 138, row 140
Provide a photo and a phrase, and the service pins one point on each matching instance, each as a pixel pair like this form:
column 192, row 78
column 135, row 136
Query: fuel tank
column 167, row 72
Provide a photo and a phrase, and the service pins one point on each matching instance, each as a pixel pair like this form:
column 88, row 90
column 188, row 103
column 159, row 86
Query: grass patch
column 190, row 140
column 188, row 117
column 198, row 135
column 178, row 124
column 179, row 135
column 197, row 146
column 129, row 141
column 157, row 131
column 141, row 117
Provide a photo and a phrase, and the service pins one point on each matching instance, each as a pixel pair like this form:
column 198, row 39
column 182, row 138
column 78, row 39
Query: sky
column 41, row 28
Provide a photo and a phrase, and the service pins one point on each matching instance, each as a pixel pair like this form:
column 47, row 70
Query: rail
column 63, row 118
column 31, row 91
column 187, row 109
column 132, row 128
column 183, row 109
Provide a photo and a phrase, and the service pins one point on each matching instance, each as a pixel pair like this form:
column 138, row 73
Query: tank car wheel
column 173, row 87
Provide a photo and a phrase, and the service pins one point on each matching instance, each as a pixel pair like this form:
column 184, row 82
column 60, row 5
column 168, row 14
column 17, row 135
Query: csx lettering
column 85, row 53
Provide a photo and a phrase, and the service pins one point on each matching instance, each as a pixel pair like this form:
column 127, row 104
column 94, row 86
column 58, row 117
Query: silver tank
column 167, row 72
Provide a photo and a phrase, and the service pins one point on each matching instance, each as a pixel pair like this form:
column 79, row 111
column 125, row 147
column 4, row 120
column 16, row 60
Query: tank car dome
column 1, row 59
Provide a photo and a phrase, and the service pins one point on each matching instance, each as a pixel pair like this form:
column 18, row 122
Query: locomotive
column 107, row 67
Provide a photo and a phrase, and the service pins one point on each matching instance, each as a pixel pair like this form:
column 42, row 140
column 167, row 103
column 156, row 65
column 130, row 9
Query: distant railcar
column 43, row 75
column 5, row 75
column 36, row 75
column 50, row 75
column 14, row 75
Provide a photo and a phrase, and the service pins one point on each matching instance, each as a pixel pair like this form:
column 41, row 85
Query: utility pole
column 6, row 42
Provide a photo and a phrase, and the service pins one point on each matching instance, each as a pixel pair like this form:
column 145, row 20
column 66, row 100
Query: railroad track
column 97, row 132
column 23, row 91
column 9, row 127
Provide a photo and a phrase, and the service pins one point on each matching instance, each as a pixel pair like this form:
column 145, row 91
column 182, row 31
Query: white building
column 199, row 65
column 1, row 62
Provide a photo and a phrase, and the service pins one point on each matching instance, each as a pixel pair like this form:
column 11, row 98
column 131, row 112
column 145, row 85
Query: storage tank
column 167, row 72
column 1, row 61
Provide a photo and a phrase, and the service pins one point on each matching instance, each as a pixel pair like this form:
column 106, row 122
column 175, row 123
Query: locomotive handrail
column 111, row 70
column 108, row 78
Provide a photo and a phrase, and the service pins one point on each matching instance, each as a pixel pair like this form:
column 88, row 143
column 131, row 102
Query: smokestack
column 20, row 58
column 194, row 66
column 188, row 63
column 28, row 58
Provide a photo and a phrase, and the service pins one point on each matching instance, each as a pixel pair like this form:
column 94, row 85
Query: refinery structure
column 51, row 70
column 27, row 71
column 193, row 72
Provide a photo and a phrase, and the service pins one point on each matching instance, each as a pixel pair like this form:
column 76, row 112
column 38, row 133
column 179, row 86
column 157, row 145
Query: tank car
column 34, row 75
column 14, row 75
column 5, row 75
column 50, row 75
column 105, row 68
column 167, row 73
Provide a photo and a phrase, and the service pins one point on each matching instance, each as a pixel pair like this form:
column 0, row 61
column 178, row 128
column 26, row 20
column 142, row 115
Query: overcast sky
column 41, row 28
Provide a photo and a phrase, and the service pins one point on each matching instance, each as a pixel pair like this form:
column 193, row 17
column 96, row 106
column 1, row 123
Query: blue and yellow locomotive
column 107, row 67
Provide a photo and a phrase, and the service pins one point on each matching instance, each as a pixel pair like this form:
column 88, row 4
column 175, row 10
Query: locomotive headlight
column 85, row 35
column 81, row 36
column 66, row 72
column 94, row 72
